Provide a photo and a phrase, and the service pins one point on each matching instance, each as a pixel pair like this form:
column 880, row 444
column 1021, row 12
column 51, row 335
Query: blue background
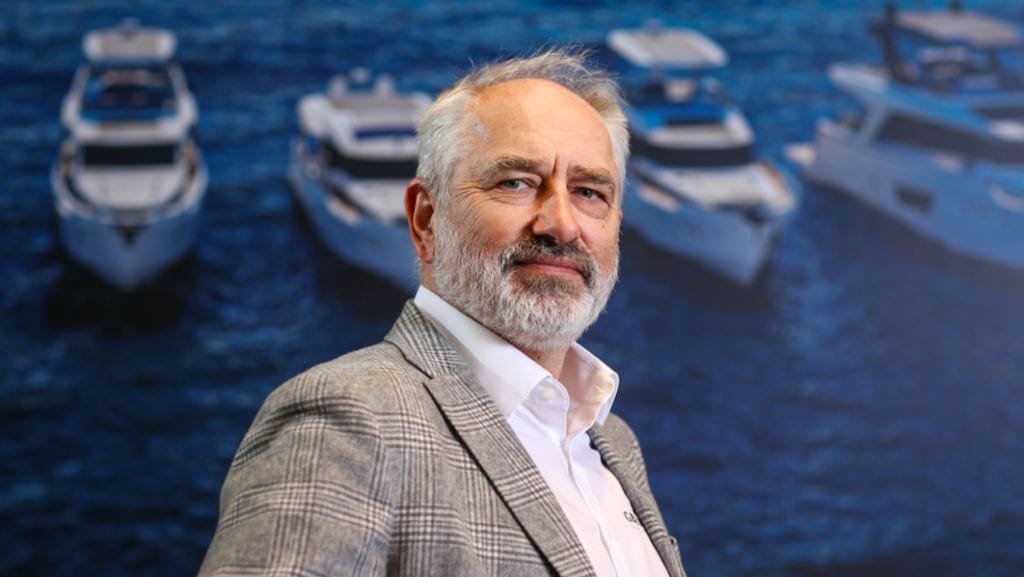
column 860, row 411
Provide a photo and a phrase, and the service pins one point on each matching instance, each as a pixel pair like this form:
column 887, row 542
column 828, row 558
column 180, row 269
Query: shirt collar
column 505, row 372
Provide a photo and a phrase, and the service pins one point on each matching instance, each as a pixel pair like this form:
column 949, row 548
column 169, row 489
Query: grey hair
column 446, row 126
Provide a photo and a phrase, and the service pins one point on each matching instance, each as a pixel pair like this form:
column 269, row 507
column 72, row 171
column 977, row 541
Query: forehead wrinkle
column 482, row 116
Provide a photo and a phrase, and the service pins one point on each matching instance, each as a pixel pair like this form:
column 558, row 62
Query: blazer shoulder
column 347, row 395
column 373, row 375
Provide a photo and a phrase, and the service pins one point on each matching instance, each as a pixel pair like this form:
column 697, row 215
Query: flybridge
column 958, row 26
column 951, row 51
column 663, row 48
column 129, row 42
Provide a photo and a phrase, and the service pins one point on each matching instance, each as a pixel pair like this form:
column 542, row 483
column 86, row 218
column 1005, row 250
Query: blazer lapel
column 486, row 434
column 634, row 485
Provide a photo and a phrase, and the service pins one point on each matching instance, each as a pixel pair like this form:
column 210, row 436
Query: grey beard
column 538, row 314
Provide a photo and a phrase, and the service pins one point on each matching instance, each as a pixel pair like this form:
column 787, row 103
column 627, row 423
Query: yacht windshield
column 97, row 155
column 695, row 157
column 398, row 167
column 128, row 93
column 967, row 68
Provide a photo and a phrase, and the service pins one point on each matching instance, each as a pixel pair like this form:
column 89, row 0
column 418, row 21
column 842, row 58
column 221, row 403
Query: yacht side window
column 931, row 136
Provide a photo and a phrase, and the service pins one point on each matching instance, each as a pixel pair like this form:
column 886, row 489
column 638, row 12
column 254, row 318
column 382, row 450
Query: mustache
column 535, row 248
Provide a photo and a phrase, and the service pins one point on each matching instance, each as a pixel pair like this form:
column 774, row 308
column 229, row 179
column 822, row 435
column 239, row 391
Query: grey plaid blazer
column 392, row 460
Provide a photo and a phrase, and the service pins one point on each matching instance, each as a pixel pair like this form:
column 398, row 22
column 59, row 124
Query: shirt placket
column 581, row 479
column 553, row 403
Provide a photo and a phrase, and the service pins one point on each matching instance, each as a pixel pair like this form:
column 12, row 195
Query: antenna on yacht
column 886, row 31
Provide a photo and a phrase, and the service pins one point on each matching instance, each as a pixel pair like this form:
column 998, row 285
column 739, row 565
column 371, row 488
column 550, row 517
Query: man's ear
column 419, row 209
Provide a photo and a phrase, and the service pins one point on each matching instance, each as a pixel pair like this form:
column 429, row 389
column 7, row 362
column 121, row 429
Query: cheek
column 604, row 242
column 480, row 229
column 498, row 226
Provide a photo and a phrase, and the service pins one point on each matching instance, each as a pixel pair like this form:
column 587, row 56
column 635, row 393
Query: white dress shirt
column 551, row 424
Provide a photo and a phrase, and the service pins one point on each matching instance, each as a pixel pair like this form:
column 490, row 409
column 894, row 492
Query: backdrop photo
column 847, row 401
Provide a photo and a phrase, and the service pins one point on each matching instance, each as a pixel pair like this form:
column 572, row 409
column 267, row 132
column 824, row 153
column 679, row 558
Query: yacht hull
column 725, row 241
column 950, row 202
column 128, row 252
column 383, row 247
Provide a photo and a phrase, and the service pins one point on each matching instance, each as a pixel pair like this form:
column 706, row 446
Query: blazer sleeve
column 308, row 492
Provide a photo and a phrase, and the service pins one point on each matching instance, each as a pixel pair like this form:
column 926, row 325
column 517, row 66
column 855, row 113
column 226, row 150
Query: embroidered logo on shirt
column 631, row 517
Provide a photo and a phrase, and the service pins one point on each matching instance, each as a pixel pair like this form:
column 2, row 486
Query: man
column 476, row 439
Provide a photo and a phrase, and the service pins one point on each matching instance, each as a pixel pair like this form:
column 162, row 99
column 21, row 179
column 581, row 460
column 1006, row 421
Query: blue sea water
column 860, row 411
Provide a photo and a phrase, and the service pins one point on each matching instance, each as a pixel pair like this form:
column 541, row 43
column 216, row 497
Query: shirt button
column 548, row 393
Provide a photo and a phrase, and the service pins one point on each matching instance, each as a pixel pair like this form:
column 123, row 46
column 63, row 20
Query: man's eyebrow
column 504, row 163
column 595, row 176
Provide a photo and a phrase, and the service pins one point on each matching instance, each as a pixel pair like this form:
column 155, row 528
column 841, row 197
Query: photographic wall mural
column 819, row 323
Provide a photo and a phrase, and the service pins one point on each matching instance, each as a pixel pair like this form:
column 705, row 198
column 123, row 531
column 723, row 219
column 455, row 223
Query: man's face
column 527, row 243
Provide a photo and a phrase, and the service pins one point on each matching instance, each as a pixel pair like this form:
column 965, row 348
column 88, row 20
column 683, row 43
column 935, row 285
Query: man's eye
column 514, row 183
column 589, row 193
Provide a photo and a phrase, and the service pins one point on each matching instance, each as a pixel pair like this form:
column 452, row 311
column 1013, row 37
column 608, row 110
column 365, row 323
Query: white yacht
column 350, row 166
column 938, row 141
column 129, row 180
column 697, row 187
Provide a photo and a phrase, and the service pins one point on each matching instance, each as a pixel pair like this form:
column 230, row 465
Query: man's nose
column 556, row 217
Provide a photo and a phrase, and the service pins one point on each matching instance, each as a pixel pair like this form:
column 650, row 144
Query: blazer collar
column 476, row 420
